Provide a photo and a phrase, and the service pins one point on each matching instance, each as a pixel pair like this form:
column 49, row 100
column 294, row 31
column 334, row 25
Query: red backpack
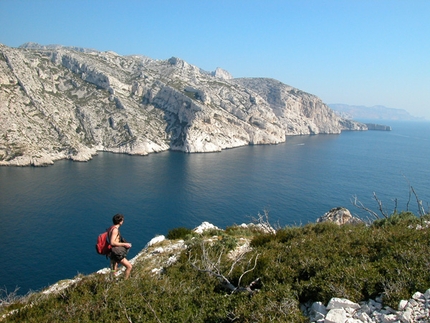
column 103, row 246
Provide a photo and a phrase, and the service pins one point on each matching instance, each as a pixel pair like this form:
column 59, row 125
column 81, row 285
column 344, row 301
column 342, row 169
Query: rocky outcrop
column 340, row 310
column 223, row 74
column 297, row 112
column 58, row 102
column 339, row 216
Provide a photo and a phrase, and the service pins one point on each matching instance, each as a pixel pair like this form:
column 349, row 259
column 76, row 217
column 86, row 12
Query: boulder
column 339, row 215
column 336, row 316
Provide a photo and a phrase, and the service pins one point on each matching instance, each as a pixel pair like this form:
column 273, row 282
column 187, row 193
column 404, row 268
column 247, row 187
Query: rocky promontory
column 61, row 102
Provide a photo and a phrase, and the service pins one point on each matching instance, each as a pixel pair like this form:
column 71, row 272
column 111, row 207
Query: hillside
column 253, row 273
column 69, row 103
column 377, row 112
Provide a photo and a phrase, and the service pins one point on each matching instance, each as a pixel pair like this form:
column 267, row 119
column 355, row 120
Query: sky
column 356, row 52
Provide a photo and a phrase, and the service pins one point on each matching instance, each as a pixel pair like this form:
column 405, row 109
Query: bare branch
column 409, row 199
column 395, row 206
column 421, row 210
column 238, row 259
column 152, row 310
column 211, row 267
column 249, row 270
column 124, row 309
column 7, row 298
column 214, row 269
column 360, row 205
column 262, row 221
column 410, row 194
column 380, row 205
column 223, row 280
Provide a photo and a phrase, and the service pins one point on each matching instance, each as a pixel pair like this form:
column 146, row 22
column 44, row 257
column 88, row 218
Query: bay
column 50, row 217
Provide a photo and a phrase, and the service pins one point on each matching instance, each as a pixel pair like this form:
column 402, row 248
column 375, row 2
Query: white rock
column 418, row 296
column 402, row 304
column 389, row 318
column 317, row 311
column 363, row 317
column 171, row 260
column 157, row 250
column 336, row 316
column 412, row 303
column 205, row 226
column 155, row 240
column 103, row 271
column 353, row 320
column 406, row 316
column 339, row 215
column 156, row 270
column 222, row 74
column 59, row 286
column 342, row 303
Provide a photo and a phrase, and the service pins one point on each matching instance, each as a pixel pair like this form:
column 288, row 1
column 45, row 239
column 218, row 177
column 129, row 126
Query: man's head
column 117, row 218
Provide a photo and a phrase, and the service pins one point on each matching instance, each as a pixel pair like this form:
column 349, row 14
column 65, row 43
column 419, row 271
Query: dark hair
column 117, row 218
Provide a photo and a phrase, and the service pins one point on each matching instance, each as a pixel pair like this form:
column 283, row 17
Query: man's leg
column 113, row 265
column 127, row 266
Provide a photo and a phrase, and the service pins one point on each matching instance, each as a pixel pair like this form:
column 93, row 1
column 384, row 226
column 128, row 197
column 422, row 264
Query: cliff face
column 58, row 102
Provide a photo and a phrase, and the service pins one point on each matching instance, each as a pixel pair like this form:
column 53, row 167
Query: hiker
column 120, row 247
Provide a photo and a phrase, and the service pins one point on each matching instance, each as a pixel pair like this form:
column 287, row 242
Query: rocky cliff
column 61, row 102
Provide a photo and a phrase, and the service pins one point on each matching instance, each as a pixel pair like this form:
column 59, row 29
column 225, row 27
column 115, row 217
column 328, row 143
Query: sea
column 51, row 216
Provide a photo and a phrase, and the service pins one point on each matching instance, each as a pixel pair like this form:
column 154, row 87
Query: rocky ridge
column 160, row 253
column 61, row 102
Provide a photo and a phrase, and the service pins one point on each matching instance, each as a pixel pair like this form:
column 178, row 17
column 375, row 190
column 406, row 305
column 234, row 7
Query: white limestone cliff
column 58, row 102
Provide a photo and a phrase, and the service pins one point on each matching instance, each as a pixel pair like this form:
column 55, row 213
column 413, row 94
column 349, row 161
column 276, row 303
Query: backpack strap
column 109, row 233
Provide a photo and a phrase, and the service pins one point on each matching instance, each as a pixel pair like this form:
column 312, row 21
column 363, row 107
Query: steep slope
column 58, row 102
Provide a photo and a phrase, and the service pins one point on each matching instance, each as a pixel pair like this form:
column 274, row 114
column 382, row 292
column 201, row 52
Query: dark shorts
column 118, row 253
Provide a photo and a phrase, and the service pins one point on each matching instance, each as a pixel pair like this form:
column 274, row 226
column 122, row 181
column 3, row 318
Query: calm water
column 50, row 217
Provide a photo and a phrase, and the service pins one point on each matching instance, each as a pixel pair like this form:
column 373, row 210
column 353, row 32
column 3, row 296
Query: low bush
column 179, row 233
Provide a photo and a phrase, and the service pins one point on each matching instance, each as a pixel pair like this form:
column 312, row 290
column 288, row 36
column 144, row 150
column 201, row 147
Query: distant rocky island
column 375, row 126
column 61, row 102
column 377, row 112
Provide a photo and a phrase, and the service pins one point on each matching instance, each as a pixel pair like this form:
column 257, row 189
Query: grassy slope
column 297, row 264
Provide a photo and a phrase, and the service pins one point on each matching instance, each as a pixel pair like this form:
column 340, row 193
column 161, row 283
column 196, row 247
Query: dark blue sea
column 50, row 217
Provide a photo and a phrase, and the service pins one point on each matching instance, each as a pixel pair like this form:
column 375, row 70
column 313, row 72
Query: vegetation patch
column 272, row 273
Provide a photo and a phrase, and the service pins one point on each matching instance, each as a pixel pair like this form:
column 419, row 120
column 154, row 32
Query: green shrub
column 406, row 218
column 179, row 233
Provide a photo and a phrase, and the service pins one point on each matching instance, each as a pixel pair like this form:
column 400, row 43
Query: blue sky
column 356, row 52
